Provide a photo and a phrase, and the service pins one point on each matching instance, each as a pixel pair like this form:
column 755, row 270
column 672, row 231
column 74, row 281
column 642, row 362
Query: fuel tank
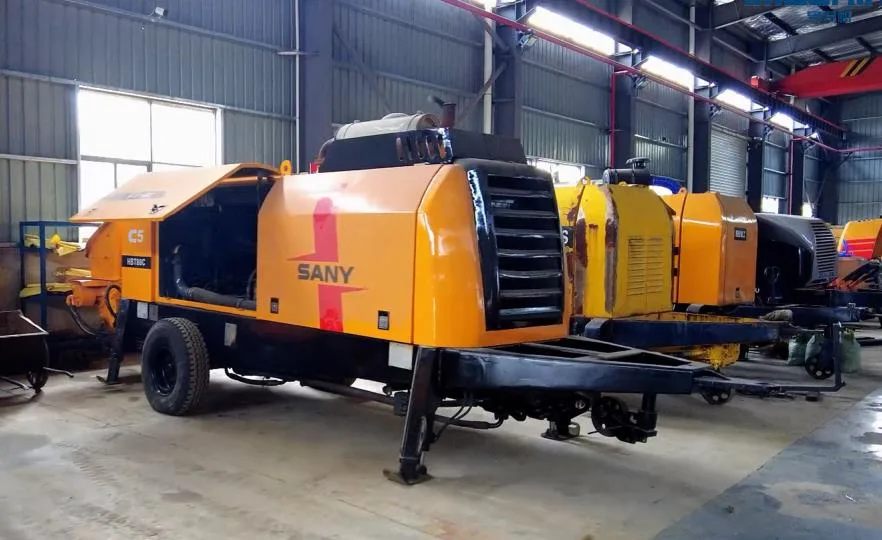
column 715, row 237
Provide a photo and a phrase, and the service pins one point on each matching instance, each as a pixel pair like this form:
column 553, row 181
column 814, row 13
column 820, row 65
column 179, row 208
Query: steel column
column 828, row 200
column 702, row 119
column 796, row 180
column 623, row 99
column 755, row 153
column 316, row 39
column 508, row 89
column 828, row 170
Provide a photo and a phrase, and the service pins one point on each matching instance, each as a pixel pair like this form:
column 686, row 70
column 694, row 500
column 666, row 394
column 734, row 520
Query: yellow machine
column 419, row 256
column 620, row 252
column 837, row 232
column 861, row 238
column 621, row 256
column 716, row 244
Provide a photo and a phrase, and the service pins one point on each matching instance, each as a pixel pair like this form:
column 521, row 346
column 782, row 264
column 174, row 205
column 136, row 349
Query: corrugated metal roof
column 803, row 20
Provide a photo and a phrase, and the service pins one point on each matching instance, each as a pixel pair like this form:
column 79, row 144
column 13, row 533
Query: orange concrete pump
column 419, row 256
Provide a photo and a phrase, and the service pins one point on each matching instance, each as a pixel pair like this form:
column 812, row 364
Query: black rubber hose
column 83, row 325
column 204, row 295
column 107, row 303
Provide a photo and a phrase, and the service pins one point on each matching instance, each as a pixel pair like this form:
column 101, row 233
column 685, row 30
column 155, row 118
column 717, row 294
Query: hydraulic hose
column 107, row 302
column 83, row 325
column 204, row 295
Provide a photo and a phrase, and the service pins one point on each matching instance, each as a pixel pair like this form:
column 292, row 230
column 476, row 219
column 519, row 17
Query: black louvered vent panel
column 825, row 251
column 529, row 250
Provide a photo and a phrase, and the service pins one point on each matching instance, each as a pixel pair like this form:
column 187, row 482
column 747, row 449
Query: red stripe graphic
column 330, row 296
column 859, row 247
column 324, row 226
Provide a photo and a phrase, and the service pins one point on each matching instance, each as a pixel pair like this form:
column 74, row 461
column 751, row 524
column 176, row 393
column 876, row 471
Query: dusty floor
column 87, row 461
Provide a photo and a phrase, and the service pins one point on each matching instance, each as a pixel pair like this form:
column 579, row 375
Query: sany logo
column 136, row 236
column 321, row 266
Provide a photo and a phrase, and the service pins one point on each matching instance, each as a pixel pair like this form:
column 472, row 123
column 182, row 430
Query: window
column 98, row 178
column 122, row 136
column 782, row 120
column 567, row 28
column 657, row 66
column 808, row 210
column 770, row 205
column 734, row 99
column 562, row 173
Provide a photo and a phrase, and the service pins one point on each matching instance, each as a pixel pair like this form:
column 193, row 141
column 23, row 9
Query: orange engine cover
column 716, row 239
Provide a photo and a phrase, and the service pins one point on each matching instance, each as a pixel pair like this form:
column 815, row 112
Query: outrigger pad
column 561, row 431
column 422, row 475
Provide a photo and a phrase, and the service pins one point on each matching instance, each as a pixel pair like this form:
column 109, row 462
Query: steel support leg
column 419, row 421
column 117, row 349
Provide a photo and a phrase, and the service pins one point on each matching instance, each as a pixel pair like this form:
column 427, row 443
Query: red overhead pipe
column 472, row 8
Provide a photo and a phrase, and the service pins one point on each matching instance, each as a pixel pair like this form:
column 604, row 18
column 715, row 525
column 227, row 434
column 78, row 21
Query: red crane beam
column 831, row 79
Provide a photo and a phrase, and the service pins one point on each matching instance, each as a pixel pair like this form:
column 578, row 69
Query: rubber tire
column 182, row 338
column 38, row 379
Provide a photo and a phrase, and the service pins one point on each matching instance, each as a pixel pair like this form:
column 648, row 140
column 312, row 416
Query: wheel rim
column 164, row 373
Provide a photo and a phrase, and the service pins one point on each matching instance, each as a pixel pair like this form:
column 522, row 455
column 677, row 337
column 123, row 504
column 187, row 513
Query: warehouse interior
column 767, row 115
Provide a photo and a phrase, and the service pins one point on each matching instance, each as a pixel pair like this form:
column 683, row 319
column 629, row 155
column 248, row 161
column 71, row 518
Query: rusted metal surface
column 577, row 257
column 611, row 247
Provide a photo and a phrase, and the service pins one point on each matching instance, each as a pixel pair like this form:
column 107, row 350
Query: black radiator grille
column 825, row 251
column 526, row 229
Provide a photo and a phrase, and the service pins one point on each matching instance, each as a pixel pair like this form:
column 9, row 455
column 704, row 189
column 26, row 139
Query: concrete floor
column 87, row 461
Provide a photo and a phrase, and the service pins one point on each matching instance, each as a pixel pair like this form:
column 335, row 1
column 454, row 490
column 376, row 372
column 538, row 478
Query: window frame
column 85, row 232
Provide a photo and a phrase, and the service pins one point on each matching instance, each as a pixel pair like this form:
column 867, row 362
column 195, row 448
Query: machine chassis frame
column 559, row 379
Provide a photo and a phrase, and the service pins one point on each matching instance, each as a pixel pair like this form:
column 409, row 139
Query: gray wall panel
column 563, row 59
column 562, row 140
column 400, row 51
column 254, row 138
column 32, row 191
column 813, row 191
column 732, row 62
column 555, row 92
column 860, row 177
column 660, row 115
column 36, row 119
column 48, row 46
column 812, row 166
column 863, row 106
column 731, row 121
column 562, row 91
column 118, row 51
column 441, row 17
column 392, row 46
column 775, row 164
column 666, row 161
column 660, row 124
column 3, row 42
column 402, row 96
column 775, row 158
column 672, row 31
column 662, row 96
column 268, row 21
column 774, row 184
column 774, row 169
